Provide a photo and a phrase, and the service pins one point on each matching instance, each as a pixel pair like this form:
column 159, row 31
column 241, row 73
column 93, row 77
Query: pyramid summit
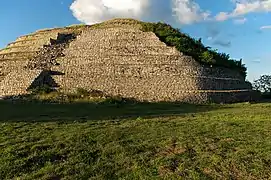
column 125, row 57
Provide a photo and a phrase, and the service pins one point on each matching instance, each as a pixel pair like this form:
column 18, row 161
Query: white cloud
column 265, row 27
column 240, row 21
column 222, row 16
column 256, row 60
column 188, row 12
column 243, row 7
column 209, row 38
column 95, row 11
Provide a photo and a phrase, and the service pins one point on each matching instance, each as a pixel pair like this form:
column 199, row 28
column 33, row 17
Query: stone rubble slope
column 20, row 54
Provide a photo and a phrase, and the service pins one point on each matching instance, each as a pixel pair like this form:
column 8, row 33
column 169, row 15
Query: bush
column 114, row 100
column 119, row 100
column 263, row 84
column 96, row 93
column 91, row 93
column 44, row 89
column 207, row 57
column 82, row 92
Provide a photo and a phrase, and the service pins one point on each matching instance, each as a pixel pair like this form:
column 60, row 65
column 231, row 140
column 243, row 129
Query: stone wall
column 135, row 64
column 119, row 60
column 17, row 82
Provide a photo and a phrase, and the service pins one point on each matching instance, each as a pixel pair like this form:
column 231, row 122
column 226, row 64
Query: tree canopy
column 263, row 84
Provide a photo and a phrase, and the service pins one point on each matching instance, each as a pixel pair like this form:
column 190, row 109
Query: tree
column 263, row 84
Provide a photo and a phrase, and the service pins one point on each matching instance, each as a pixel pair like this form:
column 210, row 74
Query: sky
column 240, row 28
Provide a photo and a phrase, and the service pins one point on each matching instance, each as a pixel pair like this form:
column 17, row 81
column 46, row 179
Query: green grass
column 134, row 141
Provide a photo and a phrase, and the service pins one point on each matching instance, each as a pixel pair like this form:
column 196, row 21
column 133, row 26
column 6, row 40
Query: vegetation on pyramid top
column 192, row 47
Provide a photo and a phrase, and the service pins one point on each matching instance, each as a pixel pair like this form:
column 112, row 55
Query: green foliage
column 114, row 100
column 96, row 93
column 249, row 85
column 263, row 84
column 76, row 26
column 80, row 95
column 82, row 92
column 192, row 47
column 207, row 57
column 91, row 93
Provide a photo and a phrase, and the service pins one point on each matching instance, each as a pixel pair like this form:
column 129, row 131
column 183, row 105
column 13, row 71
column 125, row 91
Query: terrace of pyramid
column 118, row 58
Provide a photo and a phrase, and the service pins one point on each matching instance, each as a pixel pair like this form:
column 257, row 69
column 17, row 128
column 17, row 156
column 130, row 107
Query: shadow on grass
column 38, row 111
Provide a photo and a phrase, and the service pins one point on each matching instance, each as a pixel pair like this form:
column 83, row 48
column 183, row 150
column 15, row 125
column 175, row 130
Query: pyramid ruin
column 117, row 58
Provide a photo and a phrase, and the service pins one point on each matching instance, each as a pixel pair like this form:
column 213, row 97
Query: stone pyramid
column 117, row 58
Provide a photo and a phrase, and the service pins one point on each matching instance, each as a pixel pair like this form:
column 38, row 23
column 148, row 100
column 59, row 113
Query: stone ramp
column 17, row 82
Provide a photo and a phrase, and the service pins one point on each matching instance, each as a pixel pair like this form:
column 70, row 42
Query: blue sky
column 242, row 29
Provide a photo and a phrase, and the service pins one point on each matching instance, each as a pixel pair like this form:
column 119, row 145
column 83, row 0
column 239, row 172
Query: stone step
column 125, row 60
column 182, row 76
column 117, row 42
column 29, row 37
column 147, row 73
column 17, row 55
column 29, row 42
column 32, row 42
column 101, row 38
column 37, row 37
column 98, row 35
column 114, row 29
column 167, row 64
column 106, row 51
column 45, row 34
column 17, row 46
column 17, row 42
column 31, row 48
column 69, row 29
column 134, row 85
column 14, row 59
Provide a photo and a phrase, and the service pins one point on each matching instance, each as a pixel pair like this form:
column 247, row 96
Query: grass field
column 135, row 141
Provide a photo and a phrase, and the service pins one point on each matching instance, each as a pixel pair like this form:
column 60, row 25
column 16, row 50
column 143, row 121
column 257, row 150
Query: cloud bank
column 95, row 11
column 265, row 27
column 244, row 7
column 181, row 11
column 188, row 12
